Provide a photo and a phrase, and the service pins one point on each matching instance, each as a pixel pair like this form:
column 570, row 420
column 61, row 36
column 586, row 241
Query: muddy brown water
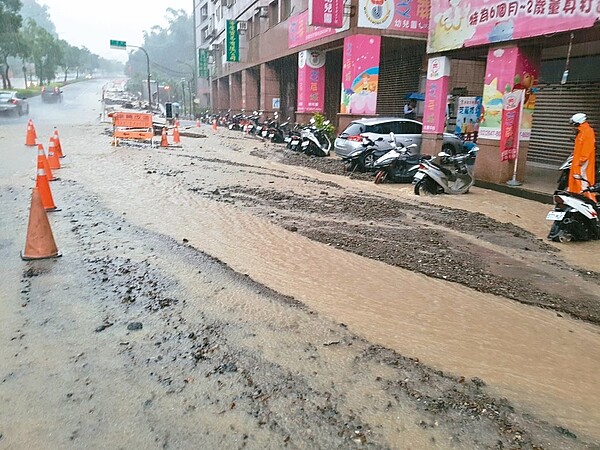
column 537, row 360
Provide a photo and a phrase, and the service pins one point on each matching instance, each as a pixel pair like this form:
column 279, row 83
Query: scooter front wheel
column 380, row 176
column 426, row 186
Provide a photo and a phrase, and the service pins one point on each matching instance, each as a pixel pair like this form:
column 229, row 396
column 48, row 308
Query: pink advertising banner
column 511, row 122
column 300, row 32
column 311, row 81
column 401, row 15
column 436, row 95
column 326, row 13
column 462, row 23
column 360, row 74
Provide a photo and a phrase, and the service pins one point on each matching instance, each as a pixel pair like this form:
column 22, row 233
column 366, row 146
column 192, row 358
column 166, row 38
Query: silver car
column 406, row 132
column 13, row 103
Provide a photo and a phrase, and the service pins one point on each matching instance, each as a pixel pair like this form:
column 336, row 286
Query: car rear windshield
column 5, row 95
column 354, row 129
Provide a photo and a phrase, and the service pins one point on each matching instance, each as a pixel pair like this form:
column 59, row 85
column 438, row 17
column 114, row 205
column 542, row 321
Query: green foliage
column 320, row 120
column 171, row 52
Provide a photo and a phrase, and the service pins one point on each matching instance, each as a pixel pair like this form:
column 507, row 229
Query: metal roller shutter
column 551, row 139
column 399, row 74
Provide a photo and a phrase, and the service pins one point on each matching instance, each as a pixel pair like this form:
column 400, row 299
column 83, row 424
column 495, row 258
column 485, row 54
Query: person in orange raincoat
column 584, row 156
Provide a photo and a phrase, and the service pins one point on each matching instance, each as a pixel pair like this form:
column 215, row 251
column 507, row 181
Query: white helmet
column 578, row 119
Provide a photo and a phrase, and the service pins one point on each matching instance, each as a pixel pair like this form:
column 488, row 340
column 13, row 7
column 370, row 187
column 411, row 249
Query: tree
column 46, row 52
column 171, row 51
column 10, row 42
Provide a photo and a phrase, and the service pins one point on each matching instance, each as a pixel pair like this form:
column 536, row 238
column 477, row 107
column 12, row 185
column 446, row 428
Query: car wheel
column 366, row 162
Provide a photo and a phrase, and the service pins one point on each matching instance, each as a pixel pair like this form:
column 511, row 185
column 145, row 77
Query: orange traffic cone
column 39, row 243
column 197, row 123
column 58, row 148
column 41, row 182
column 214, row 124
column 31, row 135
column 164, row 142
column 176, row 138
column 41, row 152
column 52, row 156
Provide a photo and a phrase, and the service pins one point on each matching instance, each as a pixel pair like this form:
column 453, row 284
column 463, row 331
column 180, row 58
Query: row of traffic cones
column 31, row 138
column 164, row 140
column 40, row 243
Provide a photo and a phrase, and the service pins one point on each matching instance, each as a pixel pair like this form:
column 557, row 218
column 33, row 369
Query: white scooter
column 575, row 217
column 453, row 174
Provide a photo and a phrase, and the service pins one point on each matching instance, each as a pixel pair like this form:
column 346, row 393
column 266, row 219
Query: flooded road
column 544, row 363
column 522, row 352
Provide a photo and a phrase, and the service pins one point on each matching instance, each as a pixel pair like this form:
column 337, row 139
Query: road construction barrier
column 136, row 126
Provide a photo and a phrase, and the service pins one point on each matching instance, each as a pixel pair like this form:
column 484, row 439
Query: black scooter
column 398, row 165
column 362, row 159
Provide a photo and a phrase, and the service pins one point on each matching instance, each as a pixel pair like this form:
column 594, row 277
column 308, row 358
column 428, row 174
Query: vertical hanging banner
column 436, row 94
column 203, row 63
column 511, row 124
column 311, row 81
column 326, row 13
column 232, row 41
column 360, row 74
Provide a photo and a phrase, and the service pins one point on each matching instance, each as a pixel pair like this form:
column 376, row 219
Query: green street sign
column 203, row 63
column 232, row 41
column 120, row 45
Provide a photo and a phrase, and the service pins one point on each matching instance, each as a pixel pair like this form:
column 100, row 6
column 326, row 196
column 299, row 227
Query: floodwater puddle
column 544, row 363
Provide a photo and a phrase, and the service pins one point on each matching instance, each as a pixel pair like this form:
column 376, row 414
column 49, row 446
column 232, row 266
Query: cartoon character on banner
column 363, row 96
column 451, row 28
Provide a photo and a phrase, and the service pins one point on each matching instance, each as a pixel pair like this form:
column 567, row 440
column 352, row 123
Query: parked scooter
column 363, row 158
column 456, row 178
column 575, row 217
column 314, row 140
column 398, row 165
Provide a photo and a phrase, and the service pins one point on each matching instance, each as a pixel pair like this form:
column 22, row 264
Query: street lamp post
column 148, row 67
column 183, row 96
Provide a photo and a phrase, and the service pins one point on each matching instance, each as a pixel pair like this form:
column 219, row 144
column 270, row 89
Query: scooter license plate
column 264, row 133
column 419, row 176
column 305, row 144
column 555, row 215
column 231, row 126
column 271, row 136
column 287, row 140
column 295, row 142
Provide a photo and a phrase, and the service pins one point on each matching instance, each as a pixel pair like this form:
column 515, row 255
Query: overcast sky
column 94, row 23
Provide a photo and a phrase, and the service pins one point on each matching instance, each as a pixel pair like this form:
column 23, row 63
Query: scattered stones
column 133, row 326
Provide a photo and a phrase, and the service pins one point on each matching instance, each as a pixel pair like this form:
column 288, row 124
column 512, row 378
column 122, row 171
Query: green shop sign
column 232, row 41
column 203, row 63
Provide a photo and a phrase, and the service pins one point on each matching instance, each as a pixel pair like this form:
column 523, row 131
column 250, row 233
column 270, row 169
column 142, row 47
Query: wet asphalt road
column 136, row 338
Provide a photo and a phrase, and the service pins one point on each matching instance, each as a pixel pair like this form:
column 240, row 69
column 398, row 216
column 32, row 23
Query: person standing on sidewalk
column 584, row 156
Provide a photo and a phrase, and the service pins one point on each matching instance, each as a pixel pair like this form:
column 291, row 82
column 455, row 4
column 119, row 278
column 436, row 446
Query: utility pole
column 193, row 81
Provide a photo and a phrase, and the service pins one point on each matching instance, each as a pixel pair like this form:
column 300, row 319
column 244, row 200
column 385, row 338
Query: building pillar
column 223, row 88
column 508, row 68
column 214, row 93
column 250, row 90
column 360, row 77
column 436, row 99
column 269, row 88
column 311, row 84
column 235, row 91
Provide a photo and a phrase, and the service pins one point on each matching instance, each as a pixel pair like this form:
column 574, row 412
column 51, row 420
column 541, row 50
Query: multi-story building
column 276, row 59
